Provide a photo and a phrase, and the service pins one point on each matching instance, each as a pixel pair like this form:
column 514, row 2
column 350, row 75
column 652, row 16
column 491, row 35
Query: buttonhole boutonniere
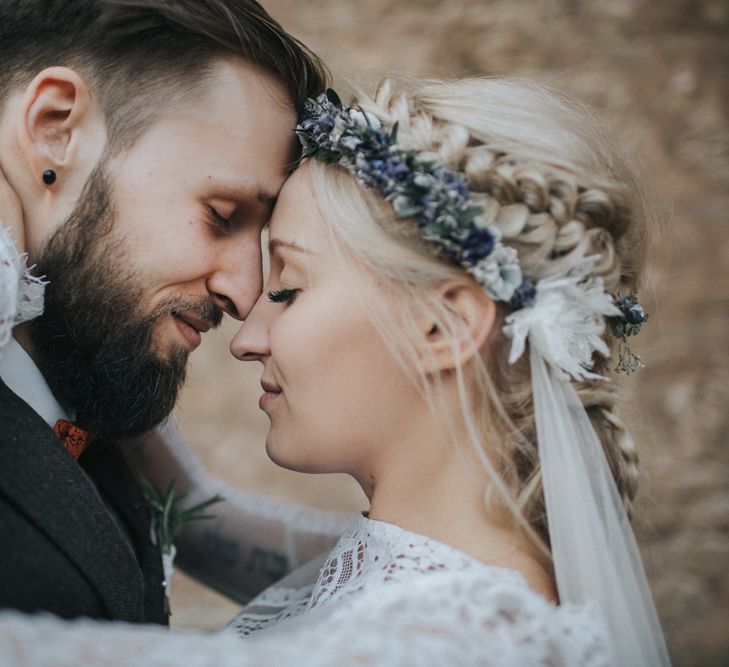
column 167, row 521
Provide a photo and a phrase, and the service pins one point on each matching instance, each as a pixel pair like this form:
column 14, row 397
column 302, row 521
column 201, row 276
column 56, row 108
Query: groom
column 146, row 141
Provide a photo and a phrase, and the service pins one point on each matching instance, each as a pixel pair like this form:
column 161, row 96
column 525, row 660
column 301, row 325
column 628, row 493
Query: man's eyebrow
column 266, row 198
column 242, row 192
column 273, row 244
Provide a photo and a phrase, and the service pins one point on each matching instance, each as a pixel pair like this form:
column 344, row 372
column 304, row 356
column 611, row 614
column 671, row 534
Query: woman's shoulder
column 397, row 584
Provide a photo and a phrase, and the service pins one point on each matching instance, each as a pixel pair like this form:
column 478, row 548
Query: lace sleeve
column 21, row 294
column 442, row 619
column 251, row 541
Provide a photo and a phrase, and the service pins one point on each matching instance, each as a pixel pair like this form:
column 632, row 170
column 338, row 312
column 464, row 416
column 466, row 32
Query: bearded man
column 146, row 141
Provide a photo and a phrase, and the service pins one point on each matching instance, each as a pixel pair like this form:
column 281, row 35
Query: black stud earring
column 49, row 177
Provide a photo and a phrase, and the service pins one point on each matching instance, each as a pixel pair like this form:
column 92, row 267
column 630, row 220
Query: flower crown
column 563, row 317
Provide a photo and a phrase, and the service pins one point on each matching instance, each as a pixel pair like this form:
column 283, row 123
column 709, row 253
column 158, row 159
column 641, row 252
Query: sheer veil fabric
column 595, row 554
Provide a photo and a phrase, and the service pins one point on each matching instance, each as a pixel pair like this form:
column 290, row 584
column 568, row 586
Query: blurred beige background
column 658, row 72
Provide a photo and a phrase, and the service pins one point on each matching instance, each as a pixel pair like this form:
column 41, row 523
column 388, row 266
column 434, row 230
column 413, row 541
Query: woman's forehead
column 296, row 221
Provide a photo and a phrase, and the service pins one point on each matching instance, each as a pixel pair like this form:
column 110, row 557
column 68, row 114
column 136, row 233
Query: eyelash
column 218, row 220
column 282, row 295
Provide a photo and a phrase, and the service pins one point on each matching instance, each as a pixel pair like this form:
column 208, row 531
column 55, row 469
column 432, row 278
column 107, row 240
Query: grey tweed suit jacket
column 60, row 549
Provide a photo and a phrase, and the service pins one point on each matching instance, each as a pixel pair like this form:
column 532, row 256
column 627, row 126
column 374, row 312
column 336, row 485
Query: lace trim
column 21, row 294
column 379, row 552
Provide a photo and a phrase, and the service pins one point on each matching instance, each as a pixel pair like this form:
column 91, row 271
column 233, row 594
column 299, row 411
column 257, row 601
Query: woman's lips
column 271, row 393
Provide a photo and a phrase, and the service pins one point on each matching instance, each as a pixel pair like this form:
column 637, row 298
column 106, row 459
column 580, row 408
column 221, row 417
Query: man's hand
column 11, row 213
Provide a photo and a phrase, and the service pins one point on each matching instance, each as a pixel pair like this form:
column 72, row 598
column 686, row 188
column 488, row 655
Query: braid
column 548, row 179
column 555, row 216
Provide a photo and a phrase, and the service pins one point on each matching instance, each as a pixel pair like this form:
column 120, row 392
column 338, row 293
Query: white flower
column 499, row 273
column 565, row 324
column 363, row 119
column 350, row 142
column 340, row 125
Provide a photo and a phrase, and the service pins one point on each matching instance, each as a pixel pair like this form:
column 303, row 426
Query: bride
column 453, row 281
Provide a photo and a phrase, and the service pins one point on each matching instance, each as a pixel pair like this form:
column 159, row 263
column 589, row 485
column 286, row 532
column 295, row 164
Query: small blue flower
column 631, row 309
column 396, row 169
column 525, row 295
column 454, row 183
column 478, row 244
column 324, row 124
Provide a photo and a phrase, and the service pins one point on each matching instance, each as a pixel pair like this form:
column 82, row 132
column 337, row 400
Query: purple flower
column 396, row 169
column 454, row 183
column 478, row 244
column 324, row 124
column 524, row 296
column 631, row 309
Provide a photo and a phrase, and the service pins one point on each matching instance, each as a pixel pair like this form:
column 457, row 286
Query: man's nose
column 252, row 342
column 238, row 279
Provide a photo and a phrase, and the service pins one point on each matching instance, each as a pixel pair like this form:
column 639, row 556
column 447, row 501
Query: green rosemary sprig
column 167, row 518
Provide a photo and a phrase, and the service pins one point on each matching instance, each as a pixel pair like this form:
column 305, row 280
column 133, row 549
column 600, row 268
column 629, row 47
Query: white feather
column 565, row 324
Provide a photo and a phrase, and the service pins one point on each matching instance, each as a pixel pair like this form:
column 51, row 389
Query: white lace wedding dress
column 384, row 596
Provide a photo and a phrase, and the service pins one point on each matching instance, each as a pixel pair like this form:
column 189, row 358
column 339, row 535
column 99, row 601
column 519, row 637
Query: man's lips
column 200, row 325
column 191, row 327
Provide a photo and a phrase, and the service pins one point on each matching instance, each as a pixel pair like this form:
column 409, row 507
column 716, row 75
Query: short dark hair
column 138, row 52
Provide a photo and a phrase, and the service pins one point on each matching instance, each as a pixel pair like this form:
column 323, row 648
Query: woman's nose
column 252, row 343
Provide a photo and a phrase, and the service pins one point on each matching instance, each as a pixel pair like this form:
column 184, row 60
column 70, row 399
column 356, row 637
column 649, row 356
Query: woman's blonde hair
column 549, row 178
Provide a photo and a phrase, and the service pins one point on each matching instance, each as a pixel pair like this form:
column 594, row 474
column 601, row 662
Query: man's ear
column 57, row 123
column 472, row 314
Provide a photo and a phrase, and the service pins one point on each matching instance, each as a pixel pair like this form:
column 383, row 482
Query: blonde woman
column 453, row 279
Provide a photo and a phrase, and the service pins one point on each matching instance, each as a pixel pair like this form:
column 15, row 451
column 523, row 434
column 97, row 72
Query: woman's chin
column 282, row 455
column 291, row 457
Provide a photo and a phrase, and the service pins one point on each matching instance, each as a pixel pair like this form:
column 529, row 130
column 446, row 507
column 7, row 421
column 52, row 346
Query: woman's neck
column 427, row 487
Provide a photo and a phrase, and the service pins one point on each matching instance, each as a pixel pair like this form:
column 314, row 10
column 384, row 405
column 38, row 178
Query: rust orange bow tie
column 74, row 439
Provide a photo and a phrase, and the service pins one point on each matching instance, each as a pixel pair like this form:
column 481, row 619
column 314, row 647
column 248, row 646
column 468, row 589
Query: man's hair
column 140, row 55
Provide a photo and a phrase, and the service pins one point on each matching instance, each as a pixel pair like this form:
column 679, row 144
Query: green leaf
column 167, row 518
column 333, row 97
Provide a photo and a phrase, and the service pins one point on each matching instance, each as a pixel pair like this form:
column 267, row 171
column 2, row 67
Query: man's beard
column 95, row 344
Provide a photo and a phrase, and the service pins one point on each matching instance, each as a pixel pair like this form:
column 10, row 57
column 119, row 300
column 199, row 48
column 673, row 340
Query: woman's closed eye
column 282, row 295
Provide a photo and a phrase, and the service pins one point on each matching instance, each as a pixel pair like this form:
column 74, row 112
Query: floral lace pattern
column 380, row 571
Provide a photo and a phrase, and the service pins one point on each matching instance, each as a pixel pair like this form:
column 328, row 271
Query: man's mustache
column 203, row 307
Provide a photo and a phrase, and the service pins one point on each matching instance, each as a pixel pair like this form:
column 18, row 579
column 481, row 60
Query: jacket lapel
column 51, row 488
column 107, row 466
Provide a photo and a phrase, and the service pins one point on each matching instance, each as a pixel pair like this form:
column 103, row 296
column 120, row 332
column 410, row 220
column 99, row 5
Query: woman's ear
column 472, row 315
column 58, row 126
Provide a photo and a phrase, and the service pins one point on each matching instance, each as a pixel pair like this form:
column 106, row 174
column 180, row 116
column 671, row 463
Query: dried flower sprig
column 632, row 318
